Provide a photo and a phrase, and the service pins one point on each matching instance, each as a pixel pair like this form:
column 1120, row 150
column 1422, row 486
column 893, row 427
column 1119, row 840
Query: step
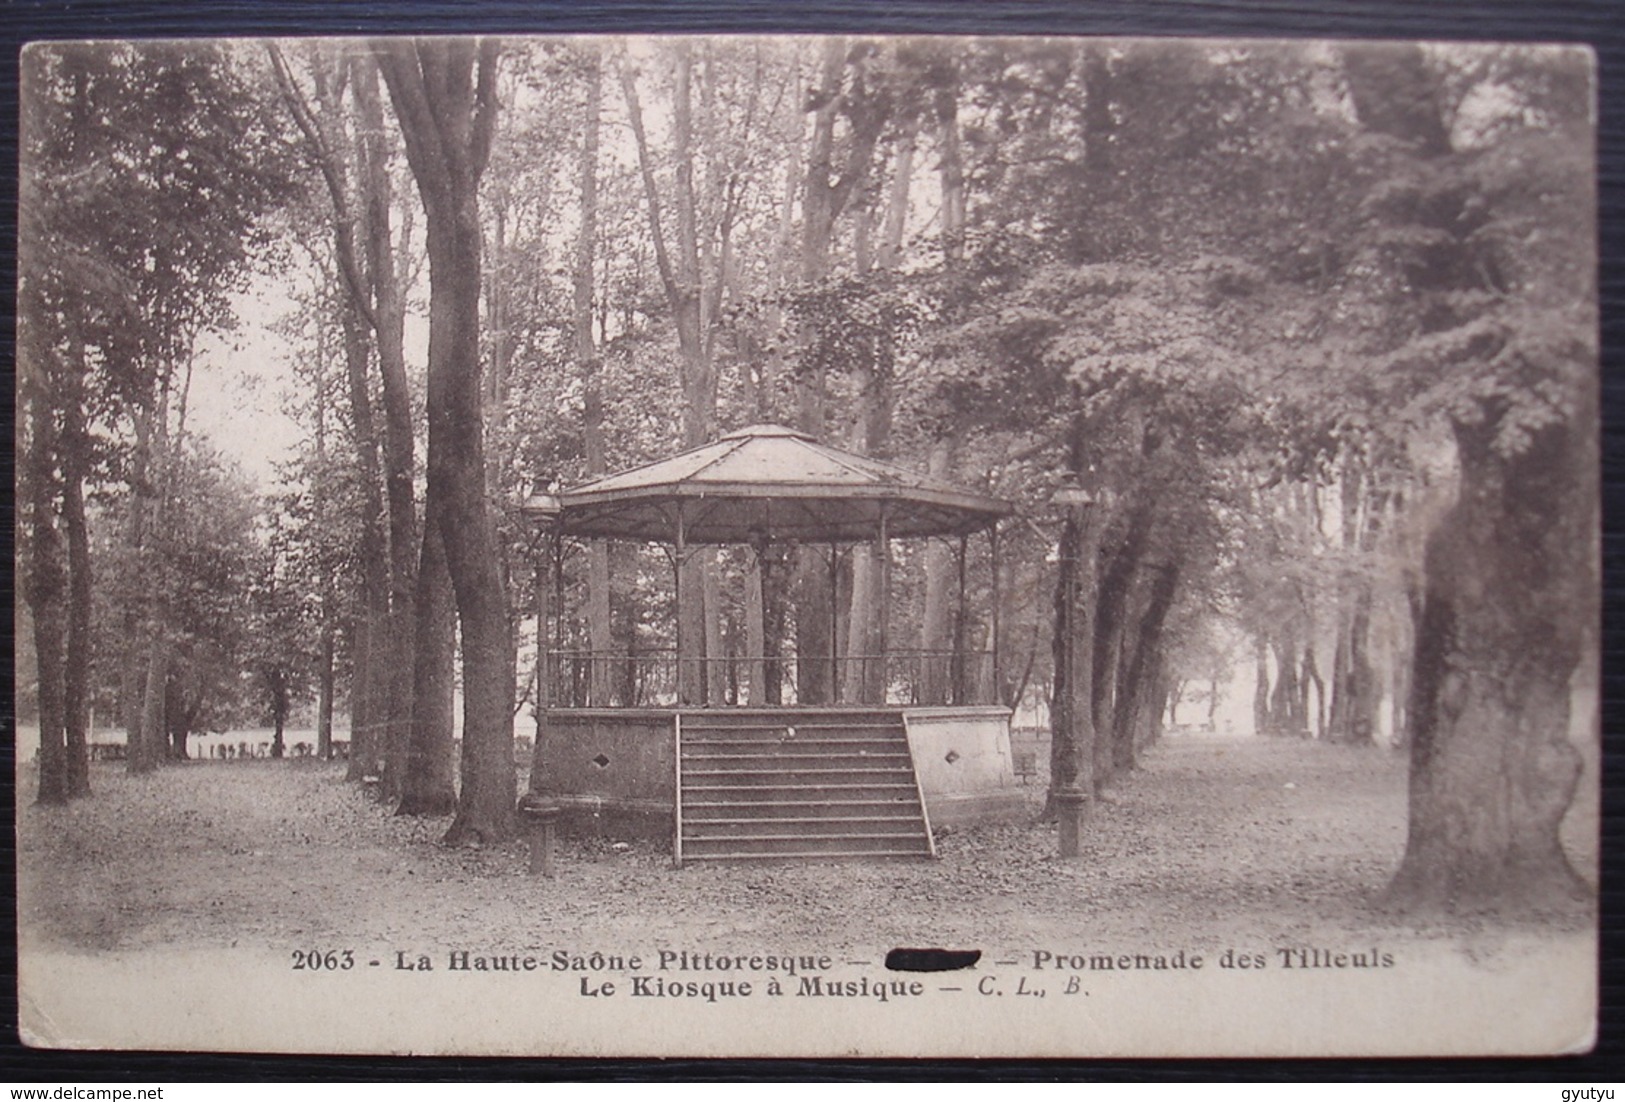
column 773, row 793
column 712, row 810
column 797, row 745
column 732, row 747
column 775, row 751
column 777, row 735
column 906, row 825
column 795, row 766
column 810, row 855
column 808, row 766
column 792, row 787
column 802, row 844
column 823, row 774
column 768, row 786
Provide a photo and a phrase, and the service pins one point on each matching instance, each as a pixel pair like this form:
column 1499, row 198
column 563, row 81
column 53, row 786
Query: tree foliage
column 1311, row 324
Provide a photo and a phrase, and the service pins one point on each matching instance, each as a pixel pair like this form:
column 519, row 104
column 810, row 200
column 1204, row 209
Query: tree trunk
column 147, row 742
column 716, row 662
column 77, row 656
column 154, row 714
column 447, row 113
column 1337, row 725
column 1508, row 575
column 600, row 636
column 1162, row 705
column 389, row 327
column 46, row 588
column 1140, row 693
column 370, row 687
column 1311, row 677
column 177, row 720
column 485, row 810
column 150, row 744
column 361, row 695
column 1284, row 699
column 772, row 359
column 324, row 689
column 755, row 633
column 860, row 673
column 772, row 566
column 131, row 686
column 891, row 242
column 1125, row 683
column 1397, row 700
column 936, row 616
column 1364, row 696
column 1099, row 125
column 1261, row 687
column 1119, row 582
column 1112, row 647
column 1353, row 711
column 950, row 168
column 327, row 607
column 864, row 672
column 824, row 196
column 429, row 786
column 699, row 672
column 279, row 720
column 1354, row 688
column 380, row 694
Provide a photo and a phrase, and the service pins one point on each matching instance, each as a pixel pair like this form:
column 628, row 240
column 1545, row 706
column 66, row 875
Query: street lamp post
column 539, row 813
column 1072, row 720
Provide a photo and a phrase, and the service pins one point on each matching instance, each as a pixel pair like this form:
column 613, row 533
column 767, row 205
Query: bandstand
column 859, row 761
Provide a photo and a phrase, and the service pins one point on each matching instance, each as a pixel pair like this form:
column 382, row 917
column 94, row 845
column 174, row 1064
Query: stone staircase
column 829, row 784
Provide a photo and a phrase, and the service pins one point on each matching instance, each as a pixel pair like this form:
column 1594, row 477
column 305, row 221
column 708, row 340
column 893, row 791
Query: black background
column 1600, row 23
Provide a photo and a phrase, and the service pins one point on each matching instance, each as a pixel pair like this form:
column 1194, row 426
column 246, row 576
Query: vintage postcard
column 808, row 546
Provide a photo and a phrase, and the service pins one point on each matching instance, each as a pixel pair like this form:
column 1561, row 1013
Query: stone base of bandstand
column 612, row 771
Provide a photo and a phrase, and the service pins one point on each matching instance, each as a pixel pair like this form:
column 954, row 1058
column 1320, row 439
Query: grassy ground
column 1212, row 842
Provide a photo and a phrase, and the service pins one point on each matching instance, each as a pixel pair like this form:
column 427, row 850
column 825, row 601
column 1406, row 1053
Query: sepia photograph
column 807, row 546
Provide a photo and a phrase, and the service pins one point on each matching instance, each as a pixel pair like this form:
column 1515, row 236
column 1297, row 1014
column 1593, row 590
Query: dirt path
column 1212, row 842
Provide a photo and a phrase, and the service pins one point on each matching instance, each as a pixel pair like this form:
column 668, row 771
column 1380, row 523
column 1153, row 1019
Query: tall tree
column 1481, row 231
column 145, row 170
column 935, row 621
column 694, row 292
column 347, row 159
column 47, row 584
column 199, row 575
column 277, row 647
column 444, row 92
column 599, row 625
column 846, row 88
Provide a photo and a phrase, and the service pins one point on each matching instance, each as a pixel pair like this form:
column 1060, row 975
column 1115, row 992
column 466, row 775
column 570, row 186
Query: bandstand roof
column 774, row 483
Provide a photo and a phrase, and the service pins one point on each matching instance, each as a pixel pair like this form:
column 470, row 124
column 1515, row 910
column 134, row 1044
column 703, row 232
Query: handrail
column 919, row 790
column 677, row 790
column 911, row 676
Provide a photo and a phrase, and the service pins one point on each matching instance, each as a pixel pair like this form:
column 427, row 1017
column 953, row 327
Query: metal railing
column 653, row 679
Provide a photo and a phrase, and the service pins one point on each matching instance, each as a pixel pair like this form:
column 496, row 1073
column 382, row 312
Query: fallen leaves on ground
column 1210, row 842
